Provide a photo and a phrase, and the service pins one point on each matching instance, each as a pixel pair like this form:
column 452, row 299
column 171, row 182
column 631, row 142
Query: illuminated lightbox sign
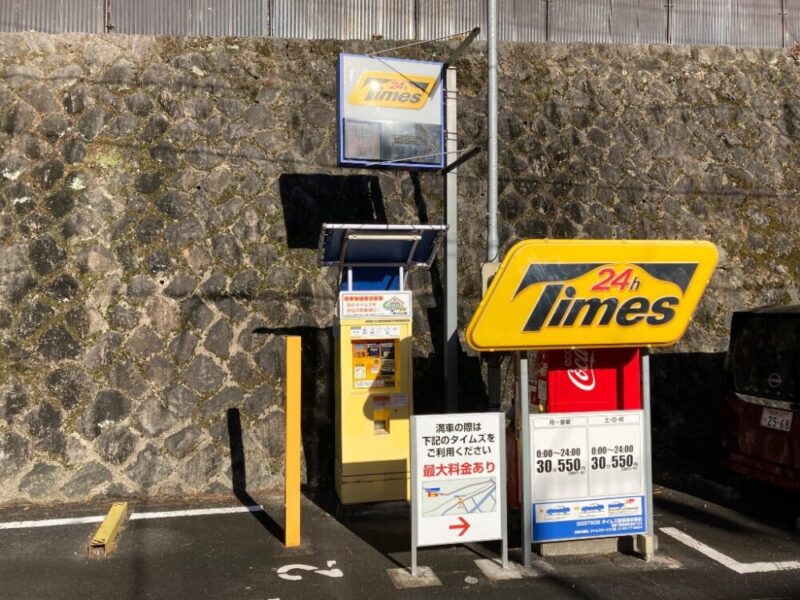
column 552, row 294
column 390, row 112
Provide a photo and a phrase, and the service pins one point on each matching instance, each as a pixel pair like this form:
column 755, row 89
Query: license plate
column 776, row 419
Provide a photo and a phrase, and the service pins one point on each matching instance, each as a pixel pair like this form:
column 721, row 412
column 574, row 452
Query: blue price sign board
column 587, row 475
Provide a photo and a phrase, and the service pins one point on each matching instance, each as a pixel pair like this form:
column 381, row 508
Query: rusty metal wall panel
column 639, row 22
column 191, row 17
column 579, row 21
column 702, row 22
column 52, row 16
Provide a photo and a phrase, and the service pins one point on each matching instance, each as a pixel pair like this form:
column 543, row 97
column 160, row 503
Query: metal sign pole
column 414, row 503
column 492, row 242
column 648, row 441
column 502, row 490
column 451, row 345
column 525, row 463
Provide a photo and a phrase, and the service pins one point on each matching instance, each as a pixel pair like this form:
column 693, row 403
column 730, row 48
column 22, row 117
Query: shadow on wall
column 686, row 392
column 428, row 371
column 311, row 200
column 317, row 398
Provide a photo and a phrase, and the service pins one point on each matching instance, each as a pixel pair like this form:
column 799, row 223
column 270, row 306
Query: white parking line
column 727, row 561
column 198, row 512
column 51, row 522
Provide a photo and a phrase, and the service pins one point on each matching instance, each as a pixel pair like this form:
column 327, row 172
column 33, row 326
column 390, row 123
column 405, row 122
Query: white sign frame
column 428, row 433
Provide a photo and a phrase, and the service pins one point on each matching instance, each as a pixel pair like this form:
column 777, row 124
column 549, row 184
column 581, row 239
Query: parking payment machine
column 373, row 353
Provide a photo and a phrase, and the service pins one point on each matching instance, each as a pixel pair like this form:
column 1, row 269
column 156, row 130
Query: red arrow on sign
column 463, row 526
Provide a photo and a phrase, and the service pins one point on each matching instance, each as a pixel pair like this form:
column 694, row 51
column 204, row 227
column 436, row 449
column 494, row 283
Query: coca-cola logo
column 582, row 372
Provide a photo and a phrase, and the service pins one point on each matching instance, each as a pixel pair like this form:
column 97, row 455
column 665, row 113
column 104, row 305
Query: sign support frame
column 451, row 342
column 414, row 505
column 525, row 463
column 648, row 440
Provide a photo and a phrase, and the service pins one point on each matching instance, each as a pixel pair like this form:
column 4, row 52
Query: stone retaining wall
column 160, row 204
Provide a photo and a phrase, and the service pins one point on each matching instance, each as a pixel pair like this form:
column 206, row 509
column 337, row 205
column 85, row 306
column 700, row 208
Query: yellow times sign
column 592, row 293
column 392, row 90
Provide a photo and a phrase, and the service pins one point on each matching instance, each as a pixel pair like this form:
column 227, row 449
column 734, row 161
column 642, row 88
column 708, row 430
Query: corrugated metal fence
column 190, row 17
column 770, row 23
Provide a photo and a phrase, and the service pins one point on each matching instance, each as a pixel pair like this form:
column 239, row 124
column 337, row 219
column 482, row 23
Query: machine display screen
column 373, row 364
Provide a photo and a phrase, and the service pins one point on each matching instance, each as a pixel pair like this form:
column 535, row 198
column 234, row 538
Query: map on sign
column 459, row 497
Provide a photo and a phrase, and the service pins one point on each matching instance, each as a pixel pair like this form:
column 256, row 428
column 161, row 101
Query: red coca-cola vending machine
column 578, row 380
column 584, row 379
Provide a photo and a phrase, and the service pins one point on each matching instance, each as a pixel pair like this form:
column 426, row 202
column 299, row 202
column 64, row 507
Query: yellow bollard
column 292, row 471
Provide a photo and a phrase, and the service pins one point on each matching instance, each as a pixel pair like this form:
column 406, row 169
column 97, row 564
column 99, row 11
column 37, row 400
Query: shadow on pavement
column 758, row 501
column 239, row 474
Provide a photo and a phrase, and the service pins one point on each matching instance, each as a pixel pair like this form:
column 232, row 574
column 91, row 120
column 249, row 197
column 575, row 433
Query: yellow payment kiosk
column 373, row 342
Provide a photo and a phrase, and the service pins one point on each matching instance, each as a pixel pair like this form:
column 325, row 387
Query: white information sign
column 375, row 305
column 457, row 478
column 587, row 474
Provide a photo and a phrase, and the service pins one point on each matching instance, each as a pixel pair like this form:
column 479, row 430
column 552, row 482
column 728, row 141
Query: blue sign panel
column 575, row 520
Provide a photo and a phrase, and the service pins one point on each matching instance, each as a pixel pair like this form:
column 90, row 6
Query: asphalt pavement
column 744, row 548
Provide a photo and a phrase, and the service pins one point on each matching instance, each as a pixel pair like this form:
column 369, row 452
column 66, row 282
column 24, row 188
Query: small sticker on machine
column 375, row 332
column 399, row 400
